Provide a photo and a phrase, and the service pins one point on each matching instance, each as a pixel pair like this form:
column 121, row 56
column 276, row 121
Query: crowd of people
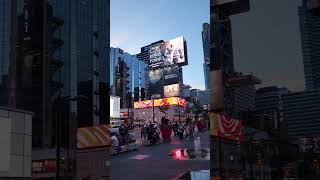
column 184, row 129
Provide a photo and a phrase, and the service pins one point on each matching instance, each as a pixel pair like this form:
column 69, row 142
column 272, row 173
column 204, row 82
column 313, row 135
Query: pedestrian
column 143, row 132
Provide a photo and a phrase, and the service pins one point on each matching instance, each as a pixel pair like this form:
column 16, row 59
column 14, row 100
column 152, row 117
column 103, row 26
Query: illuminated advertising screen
column 171, row 75
column 160, row 102
column 169, row 53
column 94, row 136
column 172, row 90
column 44, row 166
column 155, row 83
column 114, row 107
column 225, row 127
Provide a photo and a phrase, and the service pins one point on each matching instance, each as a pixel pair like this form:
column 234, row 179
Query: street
column 154, row 162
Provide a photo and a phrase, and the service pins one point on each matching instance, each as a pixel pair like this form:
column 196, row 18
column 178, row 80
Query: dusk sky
column 266, row 39
column 136, row 23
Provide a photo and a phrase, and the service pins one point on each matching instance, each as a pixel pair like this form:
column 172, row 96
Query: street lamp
column 59, row 101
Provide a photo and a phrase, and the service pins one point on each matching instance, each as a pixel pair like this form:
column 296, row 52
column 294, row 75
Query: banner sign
column 225, row 127
column 160, row 102
column 94, row 136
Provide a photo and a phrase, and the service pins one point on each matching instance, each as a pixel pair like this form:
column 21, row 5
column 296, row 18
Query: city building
column 15, row 80
column 268, row 100
column 185, row 91
column 206, row 53
column 201, row 96
column 15, row 135
column 301, row 112
column 127, row 77
column 310, row 38
column 62, row 74
column 163, row 74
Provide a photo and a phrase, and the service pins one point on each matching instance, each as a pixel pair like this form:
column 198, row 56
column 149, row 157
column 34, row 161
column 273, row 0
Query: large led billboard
column 171, row 75
column 173, row 52
column 160, row 102
column 156, row 83
column 172, row 90
column 94, row 136
column 225, row 127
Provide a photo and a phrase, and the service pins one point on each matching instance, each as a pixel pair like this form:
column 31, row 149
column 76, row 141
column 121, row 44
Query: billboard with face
column 169, row 53
column 172, row 90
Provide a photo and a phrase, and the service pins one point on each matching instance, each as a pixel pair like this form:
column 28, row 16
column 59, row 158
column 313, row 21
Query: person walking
column 143, row 132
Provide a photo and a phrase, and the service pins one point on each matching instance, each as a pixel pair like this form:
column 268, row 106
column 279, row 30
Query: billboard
column 155, row 83
column 225, row 127
column 94, row 136
column 173, row 52
column 217, row 90
column 171, row 75
column 44, row 166
column 172, row 90
column 114, row 107
column 160, row 102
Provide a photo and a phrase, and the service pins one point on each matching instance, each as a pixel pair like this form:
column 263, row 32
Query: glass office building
column 310, row 38
column 127, row 77
column 301, row 112
column 67, row 59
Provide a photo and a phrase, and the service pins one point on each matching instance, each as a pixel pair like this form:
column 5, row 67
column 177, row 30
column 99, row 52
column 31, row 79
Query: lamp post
column 59, row 102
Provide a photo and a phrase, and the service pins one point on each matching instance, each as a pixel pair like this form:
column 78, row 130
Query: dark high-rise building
column 127, row 77
column 268, row 100
column 155, row 87
column 15, row 69
column 206, row 53
column 54, row 62
column 301, row 112
column 310, row 38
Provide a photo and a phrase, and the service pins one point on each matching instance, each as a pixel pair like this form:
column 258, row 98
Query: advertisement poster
column 160, row 102
column 171, row 75
column 225, row 127
column 169, row 53
column 156, row 81
column 172, row 90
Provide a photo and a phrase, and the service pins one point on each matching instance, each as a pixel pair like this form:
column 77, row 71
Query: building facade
column 301, row 112
column 127, row 77
column 310, row 38
column 206, row 53
column 54, row 63
column 269, row 100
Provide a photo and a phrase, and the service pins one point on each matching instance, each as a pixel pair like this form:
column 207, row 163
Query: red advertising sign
column 225, row 127
column 44, row 166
